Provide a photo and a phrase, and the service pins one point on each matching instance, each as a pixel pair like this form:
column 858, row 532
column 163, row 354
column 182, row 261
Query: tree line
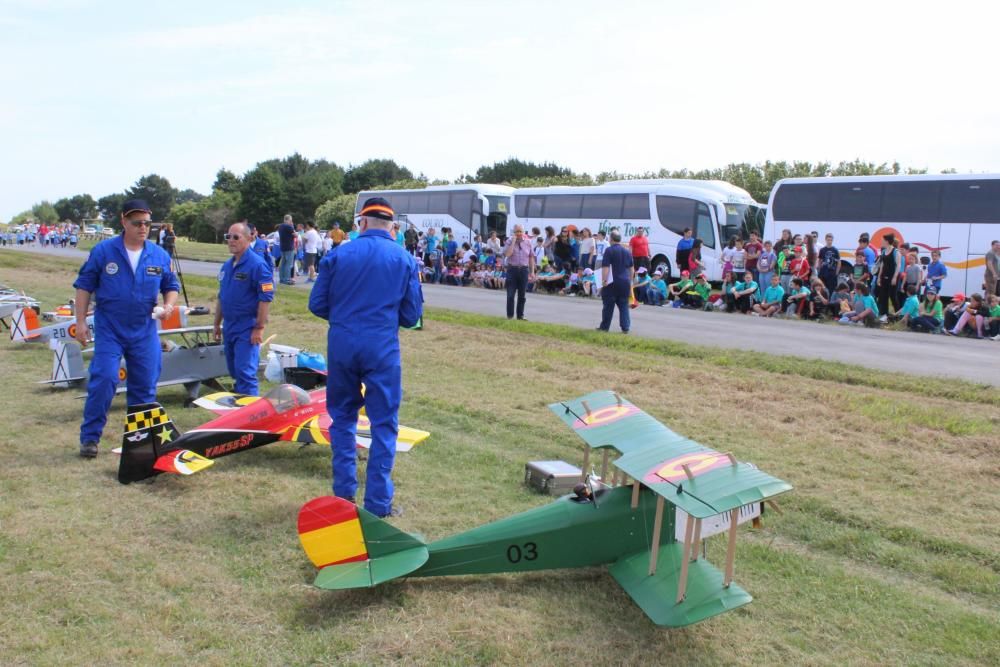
column 324, row 192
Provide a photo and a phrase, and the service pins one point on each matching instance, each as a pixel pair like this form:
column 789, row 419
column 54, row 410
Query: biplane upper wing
column 699, row 480
column 605, row 419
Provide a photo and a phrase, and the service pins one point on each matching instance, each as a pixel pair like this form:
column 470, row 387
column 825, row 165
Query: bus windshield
column 741, row 219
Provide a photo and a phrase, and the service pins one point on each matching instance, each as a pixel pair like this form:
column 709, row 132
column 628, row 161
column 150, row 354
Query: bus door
column 980, row 237
column 496, row 220
column 705, row 229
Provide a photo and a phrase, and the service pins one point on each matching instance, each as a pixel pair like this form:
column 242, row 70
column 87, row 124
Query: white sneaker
column 884, row 319
column 754, row 313
column 997, row 337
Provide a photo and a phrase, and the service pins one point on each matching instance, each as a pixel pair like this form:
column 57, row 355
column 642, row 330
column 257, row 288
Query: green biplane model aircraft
column 627, row 523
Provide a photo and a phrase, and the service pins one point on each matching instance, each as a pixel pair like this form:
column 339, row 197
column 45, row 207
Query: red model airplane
column 152, row 444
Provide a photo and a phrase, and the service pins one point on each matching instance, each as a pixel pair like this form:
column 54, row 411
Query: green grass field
column 215, row 252
column 887, row 551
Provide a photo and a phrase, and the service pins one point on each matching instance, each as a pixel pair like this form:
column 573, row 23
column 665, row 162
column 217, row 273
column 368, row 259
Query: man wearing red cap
column 366, row 290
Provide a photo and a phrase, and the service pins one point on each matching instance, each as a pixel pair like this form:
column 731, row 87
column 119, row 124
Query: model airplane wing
column 605, row 419
column 222, row 402
column 316, row 430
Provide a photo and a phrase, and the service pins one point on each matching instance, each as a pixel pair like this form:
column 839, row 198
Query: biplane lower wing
column 656, row 594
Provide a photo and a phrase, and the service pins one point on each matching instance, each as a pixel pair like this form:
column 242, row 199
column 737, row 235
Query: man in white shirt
column 312, row 245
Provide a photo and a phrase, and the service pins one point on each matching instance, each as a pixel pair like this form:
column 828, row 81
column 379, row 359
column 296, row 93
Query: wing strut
column 657, row 525
column 689, row 545
column 731, row 550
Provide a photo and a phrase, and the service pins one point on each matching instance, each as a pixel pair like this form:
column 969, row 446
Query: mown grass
column 186, row 249
column 885, row 553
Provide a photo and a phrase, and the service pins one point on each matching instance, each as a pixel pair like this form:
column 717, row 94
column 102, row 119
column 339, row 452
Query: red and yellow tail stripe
column 330, row 532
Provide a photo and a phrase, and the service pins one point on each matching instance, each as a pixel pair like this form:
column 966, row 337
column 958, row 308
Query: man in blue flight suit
column 246, row 289
column 366, row 290
column 126, row 274
column 259, row 245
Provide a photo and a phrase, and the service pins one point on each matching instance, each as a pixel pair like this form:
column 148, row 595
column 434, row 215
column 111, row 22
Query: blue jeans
column 517, row 281
column 611, row 299
column 285, row 270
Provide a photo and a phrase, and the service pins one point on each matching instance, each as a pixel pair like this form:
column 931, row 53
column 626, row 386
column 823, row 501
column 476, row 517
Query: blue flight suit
column 241, row 287
column 366, row 290
column 123, row 326
column 263, row 248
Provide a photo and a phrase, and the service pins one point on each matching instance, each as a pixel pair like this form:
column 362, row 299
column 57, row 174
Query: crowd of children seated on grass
column 794, row 277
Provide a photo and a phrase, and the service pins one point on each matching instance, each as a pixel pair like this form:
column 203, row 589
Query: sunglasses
column 231, row 237
column 140, row 223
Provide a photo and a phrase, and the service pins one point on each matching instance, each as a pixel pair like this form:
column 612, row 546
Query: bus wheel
column 661, row 263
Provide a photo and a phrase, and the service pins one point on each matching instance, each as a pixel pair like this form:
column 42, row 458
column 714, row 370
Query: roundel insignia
column 122, row 374
column 605, row 416
column 72, row 331
column 697, row 462
column 111, row 268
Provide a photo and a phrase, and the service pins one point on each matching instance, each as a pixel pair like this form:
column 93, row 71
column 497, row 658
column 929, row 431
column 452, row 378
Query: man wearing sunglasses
column 366, row 290
column 246, row 289
column 126, row 274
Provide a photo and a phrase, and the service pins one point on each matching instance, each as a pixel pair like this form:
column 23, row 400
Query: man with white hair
column 366, row 290
column 246, row 289
column 520, row 266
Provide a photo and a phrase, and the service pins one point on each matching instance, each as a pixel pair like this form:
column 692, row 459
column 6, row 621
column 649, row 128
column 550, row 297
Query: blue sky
column 94, row 95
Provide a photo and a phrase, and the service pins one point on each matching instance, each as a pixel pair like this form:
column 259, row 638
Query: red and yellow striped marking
column 330, row 532
column 605, row 416
column 309, row 431
column 377, row 208
column 697, row 463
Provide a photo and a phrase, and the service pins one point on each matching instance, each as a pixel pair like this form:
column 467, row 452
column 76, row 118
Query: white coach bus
column 958, row 214
column 714, row 210
column 466, row 209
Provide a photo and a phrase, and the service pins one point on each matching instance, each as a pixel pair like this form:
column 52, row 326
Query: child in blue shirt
column 936, row 271
column 865, row 309
column 743, row 293
column 911, row 307
column 797, row 298
column 656, row 292
column 773, row 297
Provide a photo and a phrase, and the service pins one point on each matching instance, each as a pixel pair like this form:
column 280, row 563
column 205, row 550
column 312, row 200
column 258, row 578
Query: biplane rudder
column 23, row 322
column 149, row 434
column 352, row 547
column 67, row 363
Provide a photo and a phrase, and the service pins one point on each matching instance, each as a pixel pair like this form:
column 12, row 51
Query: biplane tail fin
column 67, row 363
column 147, row 445
column 352, row 547
column 24, row 322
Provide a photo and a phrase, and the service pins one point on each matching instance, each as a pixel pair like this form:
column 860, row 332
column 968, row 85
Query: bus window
column 704, row 229
column 462, row 206
column 636, row 207
column 855, row 202
column 675, row 213
column 562, row 206
column 971, row 201
column 438, row 202
column 400, row 202
column 418, row 203
column 533, row 208
column 911, row 201
column 808, row 202
column 603, row 206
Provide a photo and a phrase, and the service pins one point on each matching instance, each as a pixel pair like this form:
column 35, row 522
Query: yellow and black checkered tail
column 149, row 434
